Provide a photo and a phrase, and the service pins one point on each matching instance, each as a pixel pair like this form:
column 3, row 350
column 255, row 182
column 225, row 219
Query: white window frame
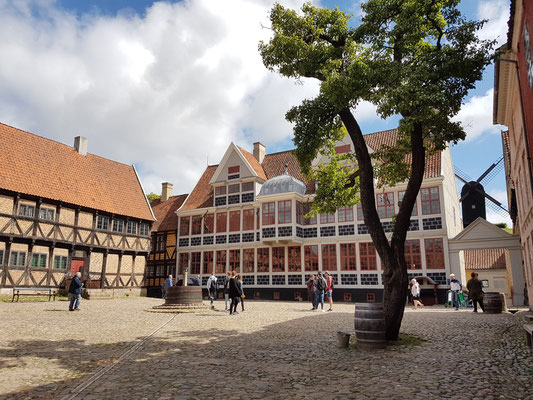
column 117, row 226
column 131, row 227
column 40, row 257
column 46, row 212
column 17, row 255
column 26, row 210
column 102, row 223
column 59, row 260
column 144, row 229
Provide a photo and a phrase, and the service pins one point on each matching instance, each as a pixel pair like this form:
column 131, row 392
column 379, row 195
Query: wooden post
column 104, row 264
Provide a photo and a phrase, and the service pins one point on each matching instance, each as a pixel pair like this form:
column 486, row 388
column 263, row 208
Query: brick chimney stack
column 259, row 151
column 166, row 191
column 80, row 144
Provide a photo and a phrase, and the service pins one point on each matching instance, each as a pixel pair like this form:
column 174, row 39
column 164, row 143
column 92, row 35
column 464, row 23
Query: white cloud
column 497, row 14
column 496, row 217
column 165, row 91
column 476, row 116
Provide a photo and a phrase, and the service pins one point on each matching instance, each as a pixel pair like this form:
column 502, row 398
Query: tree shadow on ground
column 297, row 358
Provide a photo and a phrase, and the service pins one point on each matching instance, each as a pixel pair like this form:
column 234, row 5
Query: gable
column 481, row 229
column 233, row 166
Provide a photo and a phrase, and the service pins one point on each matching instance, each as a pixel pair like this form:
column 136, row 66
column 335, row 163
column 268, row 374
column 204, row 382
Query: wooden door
column 75, row 266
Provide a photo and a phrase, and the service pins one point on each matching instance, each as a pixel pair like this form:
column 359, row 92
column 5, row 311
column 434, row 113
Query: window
column 263, row 259
column 196, row 225
column 144, row 229
column 329, row 257
column 184, row 226
column 235, row 188
column 25, row 210
column 208, row 262
column 327, row 218
column 160, row 243
column 400, row 198
column 434, row 253
column 345, row 214
column 311, row 258
column 17, row 259
column 209, row 220
column 102, row 223
column 348, row 257
column 235, row 260
column 183, row 262
column 295, row 259
column 269, row 213
column 301, row 210
column 118, row 225
column 430, row 200
column 221, row 222
column 195, row 262
column 220, row 266
column 284, row 212
column 247, row 186
column 60, row 262
column 131, row 228
column 360, row 212
column 220, row 190
column 233, row 170
column 248, row 219
column 38, row 260
column 385, row 205
column 342, row 149
column 46, row 213
column 248, row 260
column 278, row 259
column 234, row 221
column 367, row 255
column 413, row 258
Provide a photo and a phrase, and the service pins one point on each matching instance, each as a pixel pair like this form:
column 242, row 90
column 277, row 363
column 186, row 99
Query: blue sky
column 168, row 86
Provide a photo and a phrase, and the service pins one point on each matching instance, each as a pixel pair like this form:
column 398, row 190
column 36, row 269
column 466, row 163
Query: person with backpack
column 212, row 289
column 235, row 293
column 321, row 285
column 329, row 290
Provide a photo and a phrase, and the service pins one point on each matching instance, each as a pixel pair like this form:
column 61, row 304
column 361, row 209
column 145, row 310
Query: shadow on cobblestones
column 466, row 356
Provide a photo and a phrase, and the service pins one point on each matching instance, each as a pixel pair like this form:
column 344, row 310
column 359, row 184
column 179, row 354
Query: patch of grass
column 31, row 299
column 406, row 340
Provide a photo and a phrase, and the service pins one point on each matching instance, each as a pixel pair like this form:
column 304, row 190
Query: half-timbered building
column 162, row 258
column 248, row 213
column 64, row 210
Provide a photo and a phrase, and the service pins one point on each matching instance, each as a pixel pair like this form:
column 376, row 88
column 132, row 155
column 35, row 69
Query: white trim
column 222, row 164
column 144, row 193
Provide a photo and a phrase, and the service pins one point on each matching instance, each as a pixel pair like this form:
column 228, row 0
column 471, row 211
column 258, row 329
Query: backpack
column 321, row 284
column 332, row 283
column 212, row 284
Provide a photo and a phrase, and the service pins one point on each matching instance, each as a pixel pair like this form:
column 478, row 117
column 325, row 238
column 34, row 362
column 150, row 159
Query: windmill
column 473, row 196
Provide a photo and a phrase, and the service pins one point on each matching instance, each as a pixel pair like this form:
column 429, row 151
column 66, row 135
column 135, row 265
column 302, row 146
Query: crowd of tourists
column 233, row 291
column 318, row 286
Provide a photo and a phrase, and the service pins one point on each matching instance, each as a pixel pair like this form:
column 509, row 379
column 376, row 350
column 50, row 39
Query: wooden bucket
column 369, row 322
column 492, row 302
column 184, row 295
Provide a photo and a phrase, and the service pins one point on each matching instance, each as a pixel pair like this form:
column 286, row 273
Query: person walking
column 234, row 294
column 455, row 288
column 212, row 289
column 311, row 288
column 329, row 290
column 415, row 292
column 75, row 290
column 320, row 288
column 239, row 283
column 168, row 283
column 475, row 291
column 226, row 290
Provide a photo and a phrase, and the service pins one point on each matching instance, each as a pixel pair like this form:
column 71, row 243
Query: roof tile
column 165, row 212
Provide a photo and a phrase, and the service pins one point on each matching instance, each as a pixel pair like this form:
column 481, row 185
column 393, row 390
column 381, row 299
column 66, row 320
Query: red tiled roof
column 202, row 194
column 254, row 163
column 33, row 165
column 165, row 212
column 485, row 259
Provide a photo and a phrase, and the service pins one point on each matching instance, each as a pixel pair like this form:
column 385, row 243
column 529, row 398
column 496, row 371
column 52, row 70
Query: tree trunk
column 394, row 296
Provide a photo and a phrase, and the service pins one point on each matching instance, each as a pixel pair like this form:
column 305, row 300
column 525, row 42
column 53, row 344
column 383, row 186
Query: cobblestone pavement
column 274, row 350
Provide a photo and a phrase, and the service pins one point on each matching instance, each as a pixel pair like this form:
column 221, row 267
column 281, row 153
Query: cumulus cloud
column 500, row 216
column 167, row 91
column 497, row 14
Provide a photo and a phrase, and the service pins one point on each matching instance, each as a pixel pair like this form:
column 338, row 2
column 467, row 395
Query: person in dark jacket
column 234, row 294
column 475, row 291
column 239, row 284
column 75, row 290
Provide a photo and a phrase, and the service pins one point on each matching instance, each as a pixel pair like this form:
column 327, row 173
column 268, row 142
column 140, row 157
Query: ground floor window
column 348, row 257
column 208, row 262
column 195, row 263
column 295, row 259
column 60, row 262
column 248, row 260
column 413, row 258
column 278, row 259
column 183, row 262
column 263, row 259
column 235, row 260
column 367, row 255
column 311, row 258
column 329, row 257
column 220, row 266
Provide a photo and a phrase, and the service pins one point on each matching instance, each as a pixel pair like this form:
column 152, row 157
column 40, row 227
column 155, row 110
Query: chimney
column 80, row 144
column 259, row 151
column 166, row 191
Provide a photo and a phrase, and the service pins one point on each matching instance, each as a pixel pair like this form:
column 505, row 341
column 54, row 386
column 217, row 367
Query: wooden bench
column 529, row 334
column 33, row 291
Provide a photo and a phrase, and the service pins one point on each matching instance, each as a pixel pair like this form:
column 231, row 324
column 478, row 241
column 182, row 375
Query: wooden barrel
column 369, row 322
column 184, row 295
column 492, row 302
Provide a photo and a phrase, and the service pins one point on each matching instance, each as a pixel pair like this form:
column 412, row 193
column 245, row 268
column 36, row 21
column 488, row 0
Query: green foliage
column 502, row 225
column 152, row 196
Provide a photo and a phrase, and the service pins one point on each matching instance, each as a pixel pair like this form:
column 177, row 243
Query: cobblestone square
column 116, row 349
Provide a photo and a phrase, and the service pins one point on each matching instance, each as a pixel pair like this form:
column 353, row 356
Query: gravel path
column 273, row 350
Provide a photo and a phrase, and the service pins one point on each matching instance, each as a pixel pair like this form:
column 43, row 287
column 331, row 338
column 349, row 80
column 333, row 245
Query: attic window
column 233, row 172
column 342, row 149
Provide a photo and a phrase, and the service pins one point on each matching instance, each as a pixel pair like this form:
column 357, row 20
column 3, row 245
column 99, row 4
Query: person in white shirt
column 455, row 288
column 212, row 289
column 415, row 292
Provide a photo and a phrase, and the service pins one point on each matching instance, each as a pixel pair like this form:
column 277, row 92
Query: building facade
column 63, row 210
column 162, row 258
column 248, row 214
column 513, row 107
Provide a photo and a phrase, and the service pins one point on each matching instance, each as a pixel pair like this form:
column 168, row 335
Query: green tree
column 152, row 196
column 413, row 58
